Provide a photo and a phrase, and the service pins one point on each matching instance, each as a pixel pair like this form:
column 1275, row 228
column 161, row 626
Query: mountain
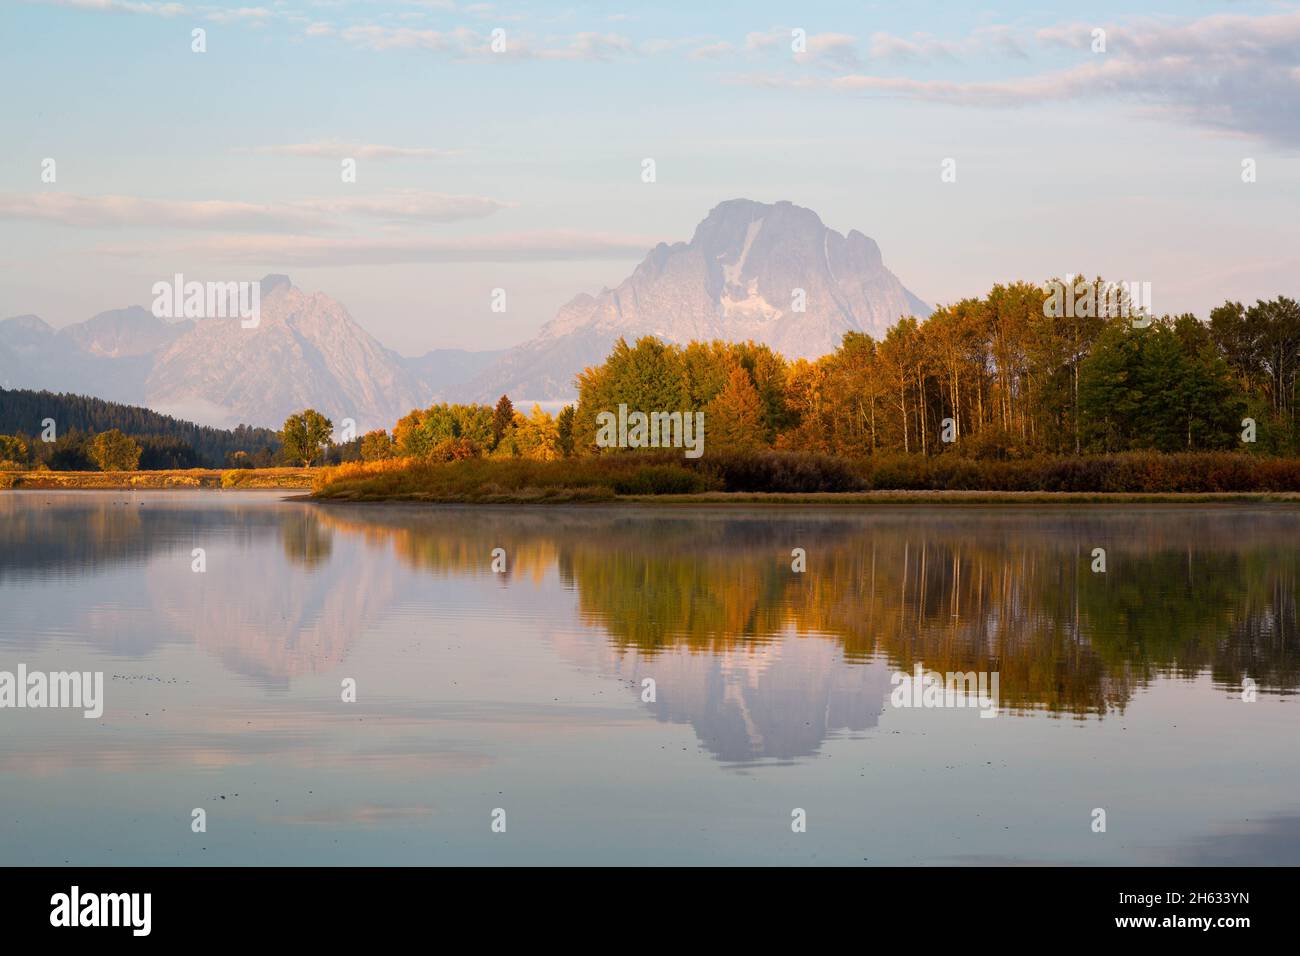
column 123, row 333
column 25, row 341
column 445, row 368
column 107, row 354
column 306, row 351
column 735, row 280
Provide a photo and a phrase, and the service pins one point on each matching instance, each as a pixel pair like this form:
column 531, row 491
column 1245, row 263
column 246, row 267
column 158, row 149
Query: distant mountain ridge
column 770, row 272
column 767, row 272
column 306, row 351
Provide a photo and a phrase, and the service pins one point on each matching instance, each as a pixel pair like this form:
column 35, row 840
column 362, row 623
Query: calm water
column 523, row 690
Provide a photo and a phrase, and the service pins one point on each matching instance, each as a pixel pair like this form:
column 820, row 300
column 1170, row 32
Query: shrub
column 780, row 471
column 662, row 480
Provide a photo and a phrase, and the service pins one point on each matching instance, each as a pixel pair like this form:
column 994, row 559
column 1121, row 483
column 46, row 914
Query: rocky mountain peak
column 770, row 272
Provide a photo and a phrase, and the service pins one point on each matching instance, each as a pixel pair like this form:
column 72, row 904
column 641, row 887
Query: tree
column 376, row 446
column 13, row 450
column 423, row 434
column 648, row 377
column 113, row 451
column 410, row 440
column 900, row 361
column 1163, row 387
column 163, row 452
column 502, row 417
column 564, row 431
column 538, row 436
column 305, row 436
column 734, row 419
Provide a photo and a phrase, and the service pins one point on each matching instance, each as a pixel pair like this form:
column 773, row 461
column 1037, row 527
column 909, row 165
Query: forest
column 996, row 378
column 165, row 442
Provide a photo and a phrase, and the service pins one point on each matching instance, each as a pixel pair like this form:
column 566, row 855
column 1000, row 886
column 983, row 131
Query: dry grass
column 288, row 478
column 507, row 480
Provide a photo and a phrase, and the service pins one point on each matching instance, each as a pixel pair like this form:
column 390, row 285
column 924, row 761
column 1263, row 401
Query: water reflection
column 1186, row 591
column 709, row 601
column 477, row 686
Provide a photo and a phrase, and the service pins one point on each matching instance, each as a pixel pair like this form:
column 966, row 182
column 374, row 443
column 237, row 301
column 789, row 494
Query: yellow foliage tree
column 734, row 419
column 537, row 435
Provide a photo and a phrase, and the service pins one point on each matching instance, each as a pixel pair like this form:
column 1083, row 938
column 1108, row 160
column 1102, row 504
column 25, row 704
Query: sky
column 518, row 164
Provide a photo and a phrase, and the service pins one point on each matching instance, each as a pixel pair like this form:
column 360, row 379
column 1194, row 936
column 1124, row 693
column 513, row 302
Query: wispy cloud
column 158, row 9
column 468, row 43
column 1234, row 73
column 307, row 214
column 410, row 205
column 238, row 14
column 985, row 41
column 711, row 51
column 284, row 251
column 840, row 49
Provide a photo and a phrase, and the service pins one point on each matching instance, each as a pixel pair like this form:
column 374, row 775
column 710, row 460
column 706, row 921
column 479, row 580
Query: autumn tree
column 305, row 435
column 808, row 403
column 538, row 436
column 502, row 418
column 114, row 451
column 564, row 431
column 647, row 377
column 376, row 446
column 900, row 364
column 13, row 450
column 734, row 419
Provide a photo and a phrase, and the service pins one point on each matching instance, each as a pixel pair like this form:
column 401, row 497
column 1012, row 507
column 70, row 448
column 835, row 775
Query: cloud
column 925, row 47
column 711, row 51
column 467, row 43
column 836, row 50
column 1222, row 36
column 833, row 48
column 285, row 251
column 839, row 48
column 409, row 206
column 1232, row 73
column 234, row 15
column 119, row 6
column 921, row 46
column 590, row 46
column 334, row 149
column 69, row 209
column 307, row 214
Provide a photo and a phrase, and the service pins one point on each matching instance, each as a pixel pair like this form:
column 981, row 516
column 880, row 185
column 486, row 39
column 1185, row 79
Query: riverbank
column 190, row 478
column 840, row 499
column 791, row 478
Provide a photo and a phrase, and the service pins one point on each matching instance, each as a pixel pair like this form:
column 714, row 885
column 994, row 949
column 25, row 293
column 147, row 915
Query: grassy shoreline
column 847, row 499
column 739, row 479
column 771, row 478
column 211, row 479
column 290, row 479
